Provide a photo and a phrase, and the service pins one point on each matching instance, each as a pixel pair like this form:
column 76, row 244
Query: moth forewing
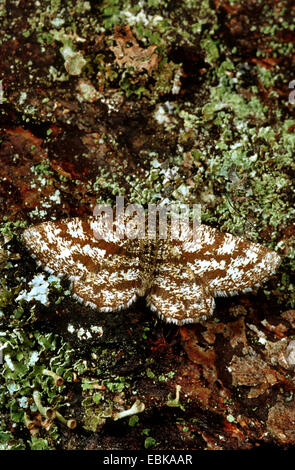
column 229, row 264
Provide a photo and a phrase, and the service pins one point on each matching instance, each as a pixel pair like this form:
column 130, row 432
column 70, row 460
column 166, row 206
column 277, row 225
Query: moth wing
column 178, row 296
column 108, row 273
column 228, row 264
column 107, row 295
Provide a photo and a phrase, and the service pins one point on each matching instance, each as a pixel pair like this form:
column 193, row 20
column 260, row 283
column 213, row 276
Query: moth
column 179, row 277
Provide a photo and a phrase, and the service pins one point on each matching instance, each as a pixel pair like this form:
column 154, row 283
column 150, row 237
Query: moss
column 8, row 442
column 149, row 442
column 39, row 444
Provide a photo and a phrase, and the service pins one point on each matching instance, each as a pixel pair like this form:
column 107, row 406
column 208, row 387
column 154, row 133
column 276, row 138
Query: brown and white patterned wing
column 178, row 296
column 228, row 264
column 107, row 272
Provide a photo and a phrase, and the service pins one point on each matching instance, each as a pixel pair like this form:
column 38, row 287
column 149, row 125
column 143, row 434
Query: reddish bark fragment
column 197, row 354
column 253, row 371
column 128, row 52
column 281, row 422
column 289, row 315
column 26, row 134
column 235, row 331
